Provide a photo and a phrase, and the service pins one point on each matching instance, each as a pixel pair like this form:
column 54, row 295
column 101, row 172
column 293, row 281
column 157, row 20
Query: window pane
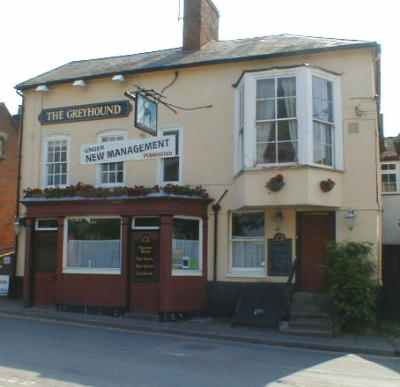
column 287, row 87
column 94, row 243
column 176, row 134
column 266, row 88
column 186, row 244
column 287, row 152
column 287, row 108
column 266, row 153
column 389, row 182
column 265, row 110
column 248, row 225
column 248, row 254
column 266, row 131
column 147, row 222
column 322, row 99
column 171, row 169
column 388, row 167
column 323, row 144
column 287, row 130
column 47, row 223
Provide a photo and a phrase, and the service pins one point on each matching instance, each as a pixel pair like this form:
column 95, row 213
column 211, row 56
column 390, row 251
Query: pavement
column 208, row 328
column 45, row 353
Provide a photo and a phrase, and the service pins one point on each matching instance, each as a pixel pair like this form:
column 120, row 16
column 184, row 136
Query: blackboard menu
column 146, row 260
column 279, row 257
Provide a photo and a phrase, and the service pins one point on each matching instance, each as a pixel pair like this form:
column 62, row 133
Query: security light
column 42, row 89
column 79, row 83
column 118, row 78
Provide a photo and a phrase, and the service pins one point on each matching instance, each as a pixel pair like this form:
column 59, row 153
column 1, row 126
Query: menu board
column 279, row 257
column 146, row 260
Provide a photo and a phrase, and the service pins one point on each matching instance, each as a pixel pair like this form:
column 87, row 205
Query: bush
column 351, row 286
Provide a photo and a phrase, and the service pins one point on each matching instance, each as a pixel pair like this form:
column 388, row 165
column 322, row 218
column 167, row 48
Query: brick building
column 8, row 178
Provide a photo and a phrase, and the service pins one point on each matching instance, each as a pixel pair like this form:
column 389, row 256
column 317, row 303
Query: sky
column 39, row 35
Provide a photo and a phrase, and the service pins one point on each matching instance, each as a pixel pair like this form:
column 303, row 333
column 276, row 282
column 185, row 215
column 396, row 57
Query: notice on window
column 109, row 152
column 4, row 285
column 146, row 260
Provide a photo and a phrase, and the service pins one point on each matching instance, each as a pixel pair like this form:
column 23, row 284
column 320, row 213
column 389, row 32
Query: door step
column 305, row 331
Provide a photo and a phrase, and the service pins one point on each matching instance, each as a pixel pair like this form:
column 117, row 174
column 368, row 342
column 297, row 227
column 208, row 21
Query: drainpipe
column 19, row 158
column 216, row 208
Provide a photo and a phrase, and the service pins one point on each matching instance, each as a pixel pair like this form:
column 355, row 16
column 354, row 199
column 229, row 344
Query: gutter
column 216, row 208
column 25, row 85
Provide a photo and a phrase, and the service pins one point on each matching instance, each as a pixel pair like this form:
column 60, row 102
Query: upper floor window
column 287, row 116
column 56, row 162
column 111, row 174
column 390, row 180
column 276, row 123
column 171, row 166
column 2, row 147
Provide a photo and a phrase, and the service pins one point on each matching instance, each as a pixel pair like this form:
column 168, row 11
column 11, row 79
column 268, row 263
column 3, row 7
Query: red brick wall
column 8, row 179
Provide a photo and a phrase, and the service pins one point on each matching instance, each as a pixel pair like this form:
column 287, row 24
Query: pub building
column 193, row 179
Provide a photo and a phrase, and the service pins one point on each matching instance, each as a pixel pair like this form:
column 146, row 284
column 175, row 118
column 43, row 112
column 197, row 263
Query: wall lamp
column 18, row 224
column 278, row 219
column 42, row 89
column 350, row 218
column 118, row 78
column 79, row 83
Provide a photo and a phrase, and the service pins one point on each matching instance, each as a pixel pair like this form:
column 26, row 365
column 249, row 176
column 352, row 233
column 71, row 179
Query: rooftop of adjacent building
column 391, row 148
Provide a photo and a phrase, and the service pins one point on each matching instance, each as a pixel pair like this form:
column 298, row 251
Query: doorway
column 315, row 231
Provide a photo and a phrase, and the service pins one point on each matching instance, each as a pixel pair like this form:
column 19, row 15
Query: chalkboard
column 279, row 257
column 146, row 260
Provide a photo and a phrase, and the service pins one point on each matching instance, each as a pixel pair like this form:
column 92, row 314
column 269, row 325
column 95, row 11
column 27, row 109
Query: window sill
column 186, row 273
column 391, row 193
column 70, row 270
column 246, row 274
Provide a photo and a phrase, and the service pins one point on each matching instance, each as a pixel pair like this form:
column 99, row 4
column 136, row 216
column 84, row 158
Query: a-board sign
column 4, row 285
column 279, row 257
column 109, row 152
column 146, row 260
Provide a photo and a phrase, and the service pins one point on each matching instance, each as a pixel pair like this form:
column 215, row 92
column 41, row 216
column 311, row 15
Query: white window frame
column 180, row 155
column 45, row 161
column 82, row 270
column 38, row 228
column 395, row 171
column 304, row 117
column 134, row 227
column 100, row 137
column 247, row 272
column 190, row 273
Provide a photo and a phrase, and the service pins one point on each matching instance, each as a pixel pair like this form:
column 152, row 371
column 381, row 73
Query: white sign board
column 4, row 285
column 110, row 152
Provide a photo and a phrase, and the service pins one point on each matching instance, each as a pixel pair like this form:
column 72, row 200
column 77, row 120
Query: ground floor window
column 93, row 244
column 187, row 246
column 248, row 242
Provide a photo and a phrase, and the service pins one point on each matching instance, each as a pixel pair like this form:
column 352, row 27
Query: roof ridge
column 328, row 38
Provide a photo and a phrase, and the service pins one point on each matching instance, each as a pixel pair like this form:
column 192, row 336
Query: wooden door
column 315, row 231
column 145, row 271
column 44, row 267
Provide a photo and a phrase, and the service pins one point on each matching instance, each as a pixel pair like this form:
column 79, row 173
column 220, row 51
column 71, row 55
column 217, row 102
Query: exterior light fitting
column 42, row 89
column 350, row 218
column 118, row 78
column 79, row 83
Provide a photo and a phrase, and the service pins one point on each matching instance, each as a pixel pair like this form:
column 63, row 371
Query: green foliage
column 351, row 285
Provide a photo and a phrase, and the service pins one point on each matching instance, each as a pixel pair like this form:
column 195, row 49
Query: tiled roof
column 213, row 52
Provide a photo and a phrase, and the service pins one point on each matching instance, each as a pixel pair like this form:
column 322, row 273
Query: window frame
column 189, row 273
column 38, row 228
column 248, row 272
column 134, row 227
column 161, row 180
column 395, row 172
column 100, row 137
column 45, row 160
column 83, row 270
column 304, row 116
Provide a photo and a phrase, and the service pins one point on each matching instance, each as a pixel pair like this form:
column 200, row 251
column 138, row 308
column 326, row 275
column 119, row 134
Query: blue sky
column 42, row 34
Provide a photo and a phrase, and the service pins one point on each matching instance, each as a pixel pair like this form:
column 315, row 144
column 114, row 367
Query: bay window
column 187, row 246
column 289, row 116
column 92, row 245
column 248, row 242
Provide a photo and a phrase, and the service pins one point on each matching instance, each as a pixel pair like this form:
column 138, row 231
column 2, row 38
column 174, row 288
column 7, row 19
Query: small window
column 112, row 174
column 2, row 148
column 389, row 178
column 146, row 223
column 248, row 242
column 187, row 246
column 93, row 244
column 56, row 168
column 171, row 166
column 46, row 225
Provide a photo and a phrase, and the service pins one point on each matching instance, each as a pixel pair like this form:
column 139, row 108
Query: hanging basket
column 327, row 185
column 275, row 183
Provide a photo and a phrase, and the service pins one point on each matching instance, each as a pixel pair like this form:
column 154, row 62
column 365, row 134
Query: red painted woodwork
column 316, row 230
column 44, row 289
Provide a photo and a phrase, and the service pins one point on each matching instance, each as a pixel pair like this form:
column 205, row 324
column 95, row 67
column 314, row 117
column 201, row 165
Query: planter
column 327, row 185
column 276, row 183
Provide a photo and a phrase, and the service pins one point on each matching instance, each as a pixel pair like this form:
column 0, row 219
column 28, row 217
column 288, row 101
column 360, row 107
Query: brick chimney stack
column 200, row 24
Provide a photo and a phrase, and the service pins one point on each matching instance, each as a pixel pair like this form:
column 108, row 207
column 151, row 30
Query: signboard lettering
column 146, row 260
column 97, row 111
column 152, row 148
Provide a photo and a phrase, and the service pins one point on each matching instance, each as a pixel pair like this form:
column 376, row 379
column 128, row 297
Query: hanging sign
column 146, row 114
column 109, row 152
column 4, row 285
column 95, row 111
